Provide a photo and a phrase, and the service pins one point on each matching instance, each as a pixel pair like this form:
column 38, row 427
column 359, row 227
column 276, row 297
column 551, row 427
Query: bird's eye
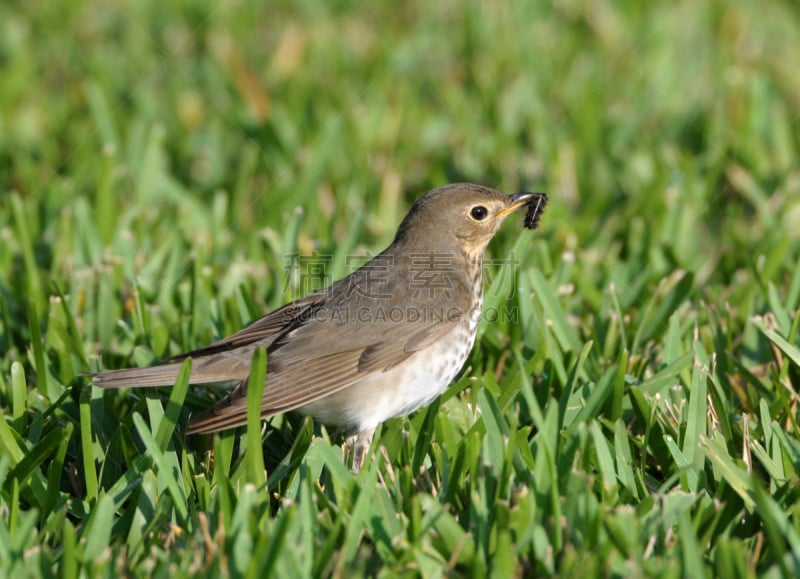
column 479, row 212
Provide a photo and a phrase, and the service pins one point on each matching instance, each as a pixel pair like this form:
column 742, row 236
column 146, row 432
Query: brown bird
column 379, row 343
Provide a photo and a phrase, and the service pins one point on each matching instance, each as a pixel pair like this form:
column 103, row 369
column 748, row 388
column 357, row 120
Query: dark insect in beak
column 535, row 209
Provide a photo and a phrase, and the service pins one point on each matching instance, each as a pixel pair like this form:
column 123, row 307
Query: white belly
column 414, row 383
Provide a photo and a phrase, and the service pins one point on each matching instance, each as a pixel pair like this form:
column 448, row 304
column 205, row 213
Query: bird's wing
column 331, row 351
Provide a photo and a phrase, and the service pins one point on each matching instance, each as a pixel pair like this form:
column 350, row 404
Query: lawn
column 170, row 171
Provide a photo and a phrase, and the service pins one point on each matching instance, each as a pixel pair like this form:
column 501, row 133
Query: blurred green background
column 159, row 161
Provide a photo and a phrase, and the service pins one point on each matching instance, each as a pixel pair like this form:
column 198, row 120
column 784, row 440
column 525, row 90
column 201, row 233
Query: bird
column 380, row 343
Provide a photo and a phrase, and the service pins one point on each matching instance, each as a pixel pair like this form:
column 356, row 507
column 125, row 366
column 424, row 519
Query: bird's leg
column 360, row 444
column 348, row 446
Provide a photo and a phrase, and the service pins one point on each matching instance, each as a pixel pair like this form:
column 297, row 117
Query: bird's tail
column 164, row 375
column 205, row 370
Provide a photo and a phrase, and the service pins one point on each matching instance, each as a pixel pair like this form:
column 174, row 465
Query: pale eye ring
column 479, row 213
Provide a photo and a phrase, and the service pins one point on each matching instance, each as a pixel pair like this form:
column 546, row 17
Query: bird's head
column 461, row 216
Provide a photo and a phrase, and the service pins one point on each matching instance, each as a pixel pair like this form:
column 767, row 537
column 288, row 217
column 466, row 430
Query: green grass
column 636, row 416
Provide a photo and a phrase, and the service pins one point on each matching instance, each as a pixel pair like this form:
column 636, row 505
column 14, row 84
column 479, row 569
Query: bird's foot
column 359, row 445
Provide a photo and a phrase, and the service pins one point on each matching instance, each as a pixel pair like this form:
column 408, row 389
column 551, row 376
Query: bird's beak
column 517, row 201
